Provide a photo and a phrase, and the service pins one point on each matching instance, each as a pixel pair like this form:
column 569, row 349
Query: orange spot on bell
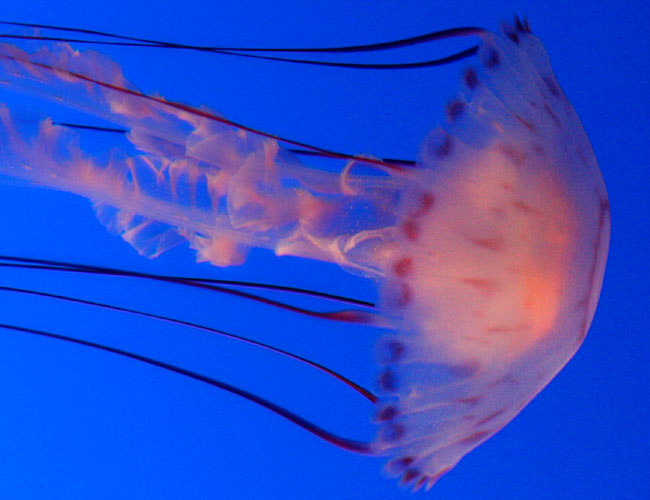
column 403, row 267
column 410, row 229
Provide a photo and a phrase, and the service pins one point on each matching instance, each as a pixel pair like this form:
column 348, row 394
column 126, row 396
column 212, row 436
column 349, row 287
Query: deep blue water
column 80, row 424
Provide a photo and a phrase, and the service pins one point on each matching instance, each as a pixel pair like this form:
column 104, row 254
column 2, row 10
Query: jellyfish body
column 500, row 268
column 490, row 252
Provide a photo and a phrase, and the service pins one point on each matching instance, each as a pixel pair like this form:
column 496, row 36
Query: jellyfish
column 489, row 251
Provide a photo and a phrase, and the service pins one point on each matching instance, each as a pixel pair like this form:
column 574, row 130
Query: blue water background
column 79, row 424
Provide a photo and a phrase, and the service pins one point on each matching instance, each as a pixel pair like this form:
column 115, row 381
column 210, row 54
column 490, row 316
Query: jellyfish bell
column 497, row 274
column 490, row 251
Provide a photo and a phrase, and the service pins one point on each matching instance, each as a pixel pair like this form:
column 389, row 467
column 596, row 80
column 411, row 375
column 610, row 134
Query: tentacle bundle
column 194, row 176
column 501, row 259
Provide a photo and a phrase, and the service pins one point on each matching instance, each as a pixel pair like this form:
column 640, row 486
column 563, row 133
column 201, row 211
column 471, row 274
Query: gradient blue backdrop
column 77, row 424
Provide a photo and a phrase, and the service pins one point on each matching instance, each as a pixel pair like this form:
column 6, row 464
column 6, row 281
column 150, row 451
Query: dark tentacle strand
column 57, row 265
column 352, row 316
column 301, row 152
column 373, row 47
column 361, row 390
column 341, row 442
